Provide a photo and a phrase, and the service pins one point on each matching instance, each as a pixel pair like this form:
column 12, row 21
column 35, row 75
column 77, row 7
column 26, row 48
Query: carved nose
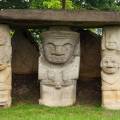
column 109, row 64
column 59, row 50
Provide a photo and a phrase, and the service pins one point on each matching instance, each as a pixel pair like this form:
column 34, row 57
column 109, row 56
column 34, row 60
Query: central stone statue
column 59, row 67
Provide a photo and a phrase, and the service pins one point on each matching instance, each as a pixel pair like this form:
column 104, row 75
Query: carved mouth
column 111, row 45
column 110, row 67
column 57, row 54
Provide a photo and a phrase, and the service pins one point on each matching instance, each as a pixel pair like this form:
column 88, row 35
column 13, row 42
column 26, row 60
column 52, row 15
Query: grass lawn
column 36, row 112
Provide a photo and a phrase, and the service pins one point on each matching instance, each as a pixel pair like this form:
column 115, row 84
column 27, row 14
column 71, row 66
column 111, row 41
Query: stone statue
column 110, row 81
column 59, row 67
column 110, row 65
column 5, row 66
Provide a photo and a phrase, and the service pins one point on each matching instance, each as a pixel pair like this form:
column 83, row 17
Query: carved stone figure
column 111, row 37
column 59, row 67
column 111, row 68
column 5, row 66
column 110, row 64
column 110, row 81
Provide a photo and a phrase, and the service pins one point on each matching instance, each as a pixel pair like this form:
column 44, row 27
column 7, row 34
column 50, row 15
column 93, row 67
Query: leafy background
column 56, row 4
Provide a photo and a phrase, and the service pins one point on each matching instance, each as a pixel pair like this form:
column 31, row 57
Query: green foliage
column 57, row 4
column 36, row 4
column 50, row 4
column 98, row 4
column 8, row 4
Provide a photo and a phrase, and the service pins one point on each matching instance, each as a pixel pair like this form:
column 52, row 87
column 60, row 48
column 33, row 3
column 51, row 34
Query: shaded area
column 89, row 92
column 25, row 53
column 25, row 88
column 90, row 55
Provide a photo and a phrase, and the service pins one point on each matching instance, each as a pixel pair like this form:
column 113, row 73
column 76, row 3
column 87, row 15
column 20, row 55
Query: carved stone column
column 59, row 67
column 111, row 68
column 5, row 66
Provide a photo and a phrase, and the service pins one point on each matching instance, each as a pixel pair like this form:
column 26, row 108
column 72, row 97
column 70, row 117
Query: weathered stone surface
column 59, row 67
column 25, row 53
column 5, row 66
column 82, row 18
column 111, row 68
column 90, row 55
column 111, row 38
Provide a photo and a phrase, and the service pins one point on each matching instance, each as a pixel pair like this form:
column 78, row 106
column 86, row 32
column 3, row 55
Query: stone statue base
column 5, row 87
column 58, row 87
column 51, row 96
column 111, row 99
column 5, row 99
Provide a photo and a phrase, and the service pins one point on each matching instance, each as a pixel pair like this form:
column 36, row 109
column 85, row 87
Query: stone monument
column 59, row 67
column 111, row 68
column 5, row 66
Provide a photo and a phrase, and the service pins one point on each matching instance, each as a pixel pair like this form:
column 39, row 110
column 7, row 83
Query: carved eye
column 105, row 62
column 113, row 61
column 67, row 46
column 50, row 46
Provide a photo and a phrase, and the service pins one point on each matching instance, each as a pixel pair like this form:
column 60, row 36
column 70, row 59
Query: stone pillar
column 5, row 66
column 59, row 67
column 110, row 65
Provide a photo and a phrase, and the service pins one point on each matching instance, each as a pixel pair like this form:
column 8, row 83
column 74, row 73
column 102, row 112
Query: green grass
column 36, row 112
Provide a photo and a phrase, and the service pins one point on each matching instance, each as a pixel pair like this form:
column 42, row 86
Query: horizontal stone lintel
column 36, row 17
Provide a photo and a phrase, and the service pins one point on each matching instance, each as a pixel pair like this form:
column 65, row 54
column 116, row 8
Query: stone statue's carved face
column 111, row 44
column 58, row 51
column 110, row 65
column 111, row 36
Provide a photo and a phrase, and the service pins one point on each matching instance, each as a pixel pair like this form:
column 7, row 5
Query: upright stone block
column 59, row 67
column 5, row 66
column 111, row 68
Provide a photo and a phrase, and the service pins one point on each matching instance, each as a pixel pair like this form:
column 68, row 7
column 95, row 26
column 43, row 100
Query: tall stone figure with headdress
column 59, row 65
column 110, row 65
column 5, row 66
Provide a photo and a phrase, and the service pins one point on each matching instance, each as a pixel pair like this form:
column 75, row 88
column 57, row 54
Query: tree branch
column 63, row 4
